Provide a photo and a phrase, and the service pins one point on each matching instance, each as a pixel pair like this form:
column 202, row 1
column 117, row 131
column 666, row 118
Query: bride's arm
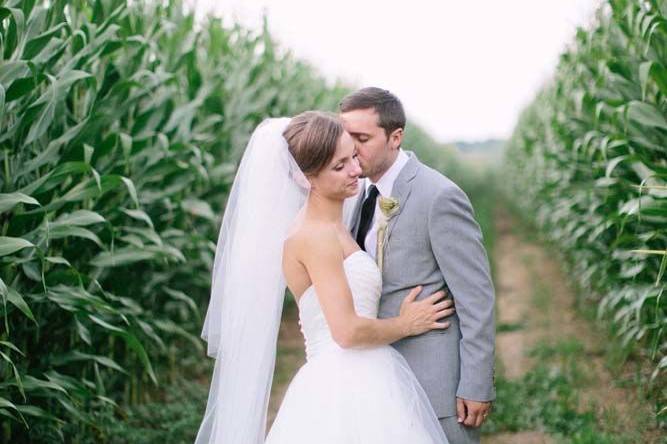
column 323, row 259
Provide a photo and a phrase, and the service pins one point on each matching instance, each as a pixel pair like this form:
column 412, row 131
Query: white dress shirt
column 384, row 185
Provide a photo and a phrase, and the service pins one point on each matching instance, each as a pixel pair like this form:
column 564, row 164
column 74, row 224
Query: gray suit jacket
column 435, row 241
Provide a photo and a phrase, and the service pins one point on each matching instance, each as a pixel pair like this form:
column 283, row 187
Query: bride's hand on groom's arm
column 421, row 316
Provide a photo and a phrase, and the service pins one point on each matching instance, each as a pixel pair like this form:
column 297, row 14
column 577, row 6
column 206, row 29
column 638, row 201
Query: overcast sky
column 463, row 69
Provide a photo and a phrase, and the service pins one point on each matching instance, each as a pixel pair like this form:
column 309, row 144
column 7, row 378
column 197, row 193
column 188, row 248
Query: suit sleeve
column 456, row 240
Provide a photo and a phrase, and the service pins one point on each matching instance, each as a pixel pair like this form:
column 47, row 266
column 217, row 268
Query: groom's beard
column 378, row 171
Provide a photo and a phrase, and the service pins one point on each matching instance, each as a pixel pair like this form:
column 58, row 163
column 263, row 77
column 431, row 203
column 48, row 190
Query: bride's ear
column 311, row 181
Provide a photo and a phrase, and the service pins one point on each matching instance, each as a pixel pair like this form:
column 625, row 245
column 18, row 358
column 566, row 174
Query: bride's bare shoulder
column 312, row 238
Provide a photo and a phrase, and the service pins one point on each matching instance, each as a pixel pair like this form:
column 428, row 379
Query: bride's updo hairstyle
column 312, row 138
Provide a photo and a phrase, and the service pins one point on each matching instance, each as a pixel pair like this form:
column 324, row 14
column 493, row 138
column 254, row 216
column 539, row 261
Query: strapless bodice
column 365, row 281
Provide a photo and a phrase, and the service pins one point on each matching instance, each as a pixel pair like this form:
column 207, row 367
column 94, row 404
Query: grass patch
column 542, row 296
column 506, row 327
column 546, row 399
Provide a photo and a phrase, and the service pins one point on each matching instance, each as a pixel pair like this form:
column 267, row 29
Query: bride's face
column 340, row 178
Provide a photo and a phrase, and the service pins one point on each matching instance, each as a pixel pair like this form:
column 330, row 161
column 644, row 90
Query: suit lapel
column 401, row 190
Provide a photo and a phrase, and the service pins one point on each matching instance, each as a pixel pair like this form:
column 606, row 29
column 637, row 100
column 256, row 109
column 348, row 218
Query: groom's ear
column 396, row 138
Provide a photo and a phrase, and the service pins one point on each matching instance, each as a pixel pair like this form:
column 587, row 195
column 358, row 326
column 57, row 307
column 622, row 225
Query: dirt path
column 535, row 304
column 515, row 314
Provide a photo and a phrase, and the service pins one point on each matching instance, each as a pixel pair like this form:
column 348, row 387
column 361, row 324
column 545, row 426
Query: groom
column 432, row 240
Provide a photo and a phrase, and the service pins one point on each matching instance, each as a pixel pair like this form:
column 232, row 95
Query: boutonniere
column 389, row 206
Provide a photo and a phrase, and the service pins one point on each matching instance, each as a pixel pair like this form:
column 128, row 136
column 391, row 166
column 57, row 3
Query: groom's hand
column 472, row 413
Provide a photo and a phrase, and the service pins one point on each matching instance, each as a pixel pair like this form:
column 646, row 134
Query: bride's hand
column 421, row 316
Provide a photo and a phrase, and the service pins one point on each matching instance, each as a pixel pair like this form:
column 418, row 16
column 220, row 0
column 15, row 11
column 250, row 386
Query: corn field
column 588, row 161
column 121, row 126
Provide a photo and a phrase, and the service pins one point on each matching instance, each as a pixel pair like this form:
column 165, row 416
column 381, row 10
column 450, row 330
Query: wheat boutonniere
column 389, row 206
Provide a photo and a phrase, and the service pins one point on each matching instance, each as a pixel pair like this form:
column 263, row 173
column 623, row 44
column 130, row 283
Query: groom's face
column 377, row 152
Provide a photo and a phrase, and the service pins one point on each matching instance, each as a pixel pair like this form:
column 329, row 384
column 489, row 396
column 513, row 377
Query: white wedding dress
column 352, row 396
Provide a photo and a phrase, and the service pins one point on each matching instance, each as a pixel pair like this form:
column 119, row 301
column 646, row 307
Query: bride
column 285, row 226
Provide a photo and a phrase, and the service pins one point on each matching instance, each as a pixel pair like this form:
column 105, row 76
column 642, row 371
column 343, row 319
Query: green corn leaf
column 80, row 218
column 15, row 298
column 58, row 260
column 646, row 114
column 5, row 403
column 9, row 245
column 121, row 257
column 76, row 355
column 64, row 231
column 139, row 215
column 9, row 200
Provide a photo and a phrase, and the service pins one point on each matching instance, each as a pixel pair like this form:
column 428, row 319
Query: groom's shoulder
column 435, row 183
